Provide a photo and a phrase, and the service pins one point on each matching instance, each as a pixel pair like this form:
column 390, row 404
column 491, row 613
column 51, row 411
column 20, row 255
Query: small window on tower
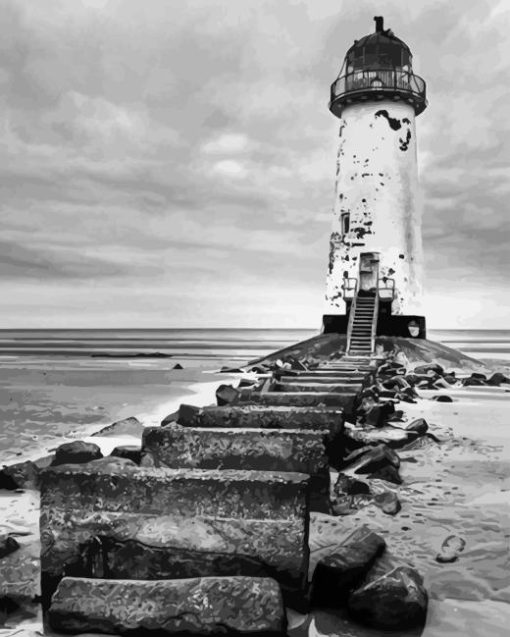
column 345, row 223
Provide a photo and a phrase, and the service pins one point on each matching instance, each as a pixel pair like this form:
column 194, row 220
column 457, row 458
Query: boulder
column 396, row 382
column 391, row 436
column 128, row 452
column 187, row 414
column 419, row 426
column 346, row 485
column 177, row 366
column 348, row 504
column 171, row 418
column 21, row 475
column 261, row 516
column 389, row 473
column 442, row 398
column 126, row 427
column 369, row 459
column 378, row 414
column 7, row 545
column 227, row 395
column 394, row 601
column 472, row 382
column 337, row 574
column 497, row 379
column 451, row 548
column 429, row 367
column 76, row 452
column 200, row 606
column 388, row 502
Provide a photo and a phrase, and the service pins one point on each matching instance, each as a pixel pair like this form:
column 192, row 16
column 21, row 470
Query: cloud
column 189, row 150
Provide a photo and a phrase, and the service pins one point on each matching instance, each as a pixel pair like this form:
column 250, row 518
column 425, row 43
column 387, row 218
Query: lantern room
column 377, row 67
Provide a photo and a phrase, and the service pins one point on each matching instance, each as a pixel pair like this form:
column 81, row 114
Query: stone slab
column 205, row 606
column 264, row 417
column 341, row 388
column 351, row 379
column 260, row 515
column 306, row 399
column 294, row 450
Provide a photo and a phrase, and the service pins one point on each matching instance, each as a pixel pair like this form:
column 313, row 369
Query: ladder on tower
column 362, row 326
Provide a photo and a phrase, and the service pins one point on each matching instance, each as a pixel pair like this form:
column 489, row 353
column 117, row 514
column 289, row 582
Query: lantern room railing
column 364, row 84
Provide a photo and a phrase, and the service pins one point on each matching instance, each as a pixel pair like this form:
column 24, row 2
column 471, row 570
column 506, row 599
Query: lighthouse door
column 368, row 272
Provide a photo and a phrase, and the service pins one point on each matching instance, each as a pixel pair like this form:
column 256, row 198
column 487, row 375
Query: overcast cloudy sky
column 171, row 162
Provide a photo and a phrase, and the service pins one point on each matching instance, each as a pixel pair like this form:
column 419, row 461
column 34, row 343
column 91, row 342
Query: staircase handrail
column 375, row 317
column 352, row 312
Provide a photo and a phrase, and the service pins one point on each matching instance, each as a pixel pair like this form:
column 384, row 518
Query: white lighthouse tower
column 375, row 256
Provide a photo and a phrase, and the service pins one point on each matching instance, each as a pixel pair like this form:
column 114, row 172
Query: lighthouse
column 375, row 259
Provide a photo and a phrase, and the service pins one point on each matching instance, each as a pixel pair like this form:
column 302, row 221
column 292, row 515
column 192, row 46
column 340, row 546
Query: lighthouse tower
column 375, row 260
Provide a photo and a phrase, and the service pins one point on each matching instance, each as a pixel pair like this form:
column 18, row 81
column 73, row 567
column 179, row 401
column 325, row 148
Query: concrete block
column 306, row 399
column 294, row 450
column 253, row 514
column 341, row 388
column 202, row 607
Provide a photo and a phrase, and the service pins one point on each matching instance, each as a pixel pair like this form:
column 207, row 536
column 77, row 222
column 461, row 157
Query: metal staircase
column 362, row 326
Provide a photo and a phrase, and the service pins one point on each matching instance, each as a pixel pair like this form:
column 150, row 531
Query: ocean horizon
column 205, row 343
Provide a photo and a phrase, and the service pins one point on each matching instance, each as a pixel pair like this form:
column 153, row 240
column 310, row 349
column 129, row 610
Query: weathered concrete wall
column 260, row 515
column 377, row 186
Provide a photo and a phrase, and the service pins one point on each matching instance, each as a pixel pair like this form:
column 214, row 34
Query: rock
column 388, row 473
column 345, row 485
column 22, row 475
column 395, row 601
column 419, row 425
column 200, row 606
column 388, row 502
column 227, row 395
column 450, row 378
column 177, row 366
column 263, row 516
column 396, row 382
column 231, row 370
column 110, row 463
column 171, row 418
column 128, row 452
column 337, row 574
column 379, row 413
column 472, row 382
column 391, row 436
column 7, row 545
column 187, row 414
column 76, row 452
column 370, row 459
column 247, row 382
column 429, row 367
column 126, row 427
column 348, row 504
column 442, row 398
column 397, row 416
column 451, row 548
column 294, row 450
column 440, row 383
column 497, row 379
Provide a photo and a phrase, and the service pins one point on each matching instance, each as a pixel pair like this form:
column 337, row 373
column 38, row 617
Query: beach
column 55, row 388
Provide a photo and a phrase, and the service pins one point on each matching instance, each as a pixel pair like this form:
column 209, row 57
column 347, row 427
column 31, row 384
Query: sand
column 461, row 487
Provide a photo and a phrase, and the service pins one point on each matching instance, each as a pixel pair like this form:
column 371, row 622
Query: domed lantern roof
column 378, row 66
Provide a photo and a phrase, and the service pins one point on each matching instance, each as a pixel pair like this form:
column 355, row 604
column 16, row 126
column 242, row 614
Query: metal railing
column 387, row 289
column 375, row 317
column 379, row 80
column 352, row 312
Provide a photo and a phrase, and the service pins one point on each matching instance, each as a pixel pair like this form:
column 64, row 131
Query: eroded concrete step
column 258, row 515
column 307, row 399
column 266, row 417
column 294, row 450
column 340, row 388
column 348, row 379
column 205, row 606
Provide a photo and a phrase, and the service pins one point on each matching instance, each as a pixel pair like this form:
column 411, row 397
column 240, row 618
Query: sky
column 171, row 163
